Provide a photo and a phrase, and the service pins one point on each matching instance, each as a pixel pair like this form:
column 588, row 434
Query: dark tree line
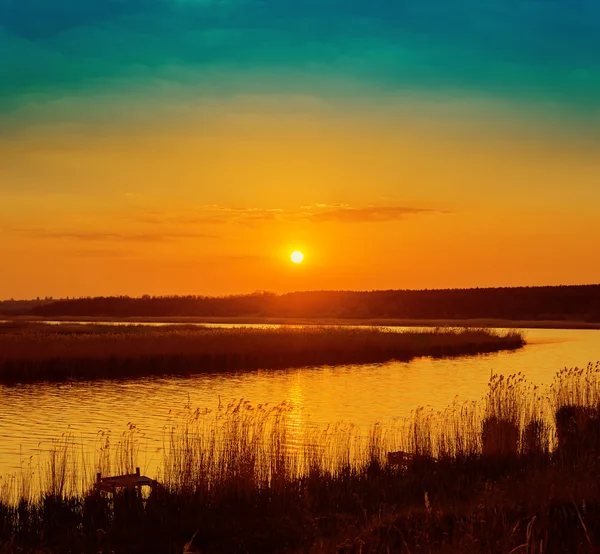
column 525, row 303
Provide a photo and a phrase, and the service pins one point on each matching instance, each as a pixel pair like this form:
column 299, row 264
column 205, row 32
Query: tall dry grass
column 237, row 478
column 30, row 352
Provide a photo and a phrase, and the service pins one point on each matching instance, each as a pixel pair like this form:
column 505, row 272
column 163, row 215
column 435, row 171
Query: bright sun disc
column 297, row 257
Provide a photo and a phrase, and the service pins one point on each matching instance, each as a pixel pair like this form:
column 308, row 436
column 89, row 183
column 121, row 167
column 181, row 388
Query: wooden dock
column 129, row 482
column 399, row 459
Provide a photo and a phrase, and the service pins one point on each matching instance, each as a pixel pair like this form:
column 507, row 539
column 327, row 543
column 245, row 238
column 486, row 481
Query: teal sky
column 538, row 52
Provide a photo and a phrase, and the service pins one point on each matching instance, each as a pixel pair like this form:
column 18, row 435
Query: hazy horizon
column 289, row 292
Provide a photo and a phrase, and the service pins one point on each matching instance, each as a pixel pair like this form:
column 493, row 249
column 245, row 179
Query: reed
column 238, row 479
column 575, row 400
column 31, row 352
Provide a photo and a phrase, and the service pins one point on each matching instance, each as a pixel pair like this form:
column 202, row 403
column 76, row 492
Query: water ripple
column 33, row 416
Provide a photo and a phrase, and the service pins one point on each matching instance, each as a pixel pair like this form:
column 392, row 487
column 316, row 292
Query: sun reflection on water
column 296, row 417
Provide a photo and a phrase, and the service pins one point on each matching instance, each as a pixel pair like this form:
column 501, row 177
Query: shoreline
column 380, row 322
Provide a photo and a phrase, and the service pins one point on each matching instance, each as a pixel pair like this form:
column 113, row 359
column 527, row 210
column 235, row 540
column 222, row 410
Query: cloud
column 320, row 205
column 242, row 258
column 177, row 218
column 101, row 236
column 211, row 215
column 102, row 253
column 370, row 214
column 322, row 213
column 317, row 213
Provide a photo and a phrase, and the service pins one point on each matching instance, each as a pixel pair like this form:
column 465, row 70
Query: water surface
column 32, row 415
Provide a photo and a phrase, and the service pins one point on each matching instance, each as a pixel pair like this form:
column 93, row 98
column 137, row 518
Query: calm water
column 31, row 416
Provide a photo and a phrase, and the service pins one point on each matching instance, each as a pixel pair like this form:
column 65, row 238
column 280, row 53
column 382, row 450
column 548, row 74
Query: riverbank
column 380, row 322
column 36, row 351
column 492, row 477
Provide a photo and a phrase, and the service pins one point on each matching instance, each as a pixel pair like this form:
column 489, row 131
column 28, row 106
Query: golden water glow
column 297, row 257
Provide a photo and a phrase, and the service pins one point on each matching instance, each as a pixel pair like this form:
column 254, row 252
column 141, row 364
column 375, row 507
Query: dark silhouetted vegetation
column 494, row 477
column 576, row 303
column 22, row 307
column 36, row 351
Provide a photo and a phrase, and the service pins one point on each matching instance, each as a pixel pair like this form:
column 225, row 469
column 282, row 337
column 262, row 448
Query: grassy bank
column 35, row 351
column 516, row 472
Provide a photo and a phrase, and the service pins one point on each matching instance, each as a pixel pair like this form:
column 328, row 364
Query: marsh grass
column 575, row 400
column 31, row 352
column 488, row 476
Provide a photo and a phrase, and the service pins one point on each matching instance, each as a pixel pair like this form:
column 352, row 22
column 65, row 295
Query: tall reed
column 45, row 352
column 235, row 477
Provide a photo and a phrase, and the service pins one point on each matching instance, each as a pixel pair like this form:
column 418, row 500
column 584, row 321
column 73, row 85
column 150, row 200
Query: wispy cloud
column 369, row 214
column 101, row 236
column 211, row 215
column 242, row 257
column 317, row 213
column 177, row 218
column 161, row 227
column 250, row 216
column 102, row 253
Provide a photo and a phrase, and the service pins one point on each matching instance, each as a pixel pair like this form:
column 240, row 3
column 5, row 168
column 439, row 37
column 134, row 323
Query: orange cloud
column 103, row 253
column 370, row 214
column 317, row 213
column 101, row 236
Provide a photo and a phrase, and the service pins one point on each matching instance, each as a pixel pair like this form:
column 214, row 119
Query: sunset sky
column 189, row 146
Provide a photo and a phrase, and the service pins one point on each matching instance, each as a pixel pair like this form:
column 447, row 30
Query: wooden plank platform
column 129, row 481
column 399, row 459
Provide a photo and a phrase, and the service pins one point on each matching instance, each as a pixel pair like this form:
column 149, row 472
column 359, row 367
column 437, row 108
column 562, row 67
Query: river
column 33, row 415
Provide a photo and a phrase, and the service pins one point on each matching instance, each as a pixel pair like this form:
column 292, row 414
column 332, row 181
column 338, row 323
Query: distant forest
column 581, row 303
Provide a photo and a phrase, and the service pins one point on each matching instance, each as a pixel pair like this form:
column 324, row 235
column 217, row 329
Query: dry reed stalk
column 239, row 459
column 49, row 352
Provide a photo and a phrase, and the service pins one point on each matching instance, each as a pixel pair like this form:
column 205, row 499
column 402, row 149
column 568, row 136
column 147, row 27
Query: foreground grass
column 516, row 472
column 35, row 351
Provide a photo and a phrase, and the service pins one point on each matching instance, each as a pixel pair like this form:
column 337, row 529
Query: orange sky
column 214, row 198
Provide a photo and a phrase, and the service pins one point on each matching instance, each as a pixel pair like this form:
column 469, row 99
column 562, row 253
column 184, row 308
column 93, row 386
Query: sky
column 189, row 146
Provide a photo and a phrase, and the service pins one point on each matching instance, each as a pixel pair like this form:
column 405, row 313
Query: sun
column 297, row 257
